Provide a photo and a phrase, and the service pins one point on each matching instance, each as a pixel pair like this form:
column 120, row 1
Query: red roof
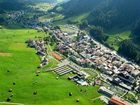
column 56, row 56
column 118, row 101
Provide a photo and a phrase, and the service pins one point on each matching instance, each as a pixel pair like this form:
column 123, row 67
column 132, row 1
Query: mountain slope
column 105, row 13
column 8, row 5
column 114, row 16
column 76, row 7
column 116, row 13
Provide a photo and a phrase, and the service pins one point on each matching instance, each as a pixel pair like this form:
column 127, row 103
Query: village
column 51, row 52
column 77, row 50
column 25, row 18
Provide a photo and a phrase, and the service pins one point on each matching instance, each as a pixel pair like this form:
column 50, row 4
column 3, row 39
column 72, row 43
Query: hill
column 106, row 13
column 18, row 4
column 8, row 5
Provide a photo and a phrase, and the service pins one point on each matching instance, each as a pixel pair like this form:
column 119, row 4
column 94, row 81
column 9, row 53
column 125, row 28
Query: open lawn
column 17, row 72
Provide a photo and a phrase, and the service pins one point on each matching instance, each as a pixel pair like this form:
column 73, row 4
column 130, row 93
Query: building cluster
column 39, row 45
column 24, row 18
column 14, row 16
column 86, row 52
column 79, row 79
column 113, row 99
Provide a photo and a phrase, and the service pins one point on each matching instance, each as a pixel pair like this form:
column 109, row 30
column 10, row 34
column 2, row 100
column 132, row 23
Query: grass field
column 54, row 17
column 114, row 40
column 73, row 19
column 41, row 6
column 20, row 67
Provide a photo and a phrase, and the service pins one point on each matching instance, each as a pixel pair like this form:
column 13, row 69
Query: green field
column 41, row 6
column 18, row 65
column 114, row 40
column 71, row 20
column 54, row 17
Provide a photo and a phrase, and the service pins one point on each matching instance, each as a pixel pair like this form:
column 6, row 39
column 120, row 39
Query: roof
column 56, row 56
column 106, row 90
column 118, row 101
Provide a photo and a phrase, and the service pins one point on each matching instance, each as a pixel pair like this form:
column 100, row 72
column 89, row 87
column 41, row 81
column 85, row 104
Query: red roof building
column 117, row 101
column 56, row 56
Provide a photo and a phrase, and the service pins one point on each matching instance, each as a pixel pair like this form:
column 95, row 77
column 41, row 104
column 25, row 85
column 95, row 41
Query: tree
column 128, row 49
column 83, row 25
column 136, row 31
column 98, row 34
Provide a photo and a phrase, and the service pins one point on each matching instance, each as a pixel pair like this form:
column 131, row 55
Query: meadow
column 18, row 64
column 115, row 39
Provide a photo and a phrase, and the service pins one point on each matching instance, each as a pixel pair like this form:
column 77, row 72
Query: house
column 117, row 101
column 135, row 73
column 31, row 43
column 117, row 63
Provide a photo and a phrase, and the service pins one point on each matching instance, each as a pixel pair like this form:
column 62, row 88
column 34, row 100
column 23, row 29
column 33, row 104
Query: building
column 126, row 78
column 117, row 101
column 56, row 56
column 106, row 92
column 135, row 73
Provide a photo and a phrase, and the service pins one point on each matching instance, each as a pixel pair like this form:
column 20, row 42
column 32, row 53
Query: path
column 10, row 103
column 96, row 98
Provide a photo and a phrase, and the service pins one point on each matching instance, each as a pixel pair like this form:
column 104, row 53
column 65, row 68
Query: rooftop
column 55, row 55
column 118, row 101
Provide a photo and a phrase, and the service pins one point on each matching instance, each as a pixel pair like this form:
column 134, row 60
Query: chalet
column 31, row 43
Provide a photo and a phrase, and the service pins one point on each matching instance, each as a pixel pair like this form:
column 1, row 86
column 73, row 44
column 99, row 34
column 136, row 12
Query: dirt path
column 96, row 98
column 10, row 103
column 5, row 54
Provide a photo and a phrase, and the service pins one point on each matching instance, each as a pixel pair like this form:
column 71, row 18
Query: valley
column 50, row 55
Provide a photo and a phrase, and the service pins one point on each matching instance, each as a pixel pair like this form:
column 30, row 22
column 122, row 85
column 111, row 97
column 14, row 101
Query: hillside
column 117, row 18
column 77, row 7
column 8, row 5
column 106, row 13
column 21, row 12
